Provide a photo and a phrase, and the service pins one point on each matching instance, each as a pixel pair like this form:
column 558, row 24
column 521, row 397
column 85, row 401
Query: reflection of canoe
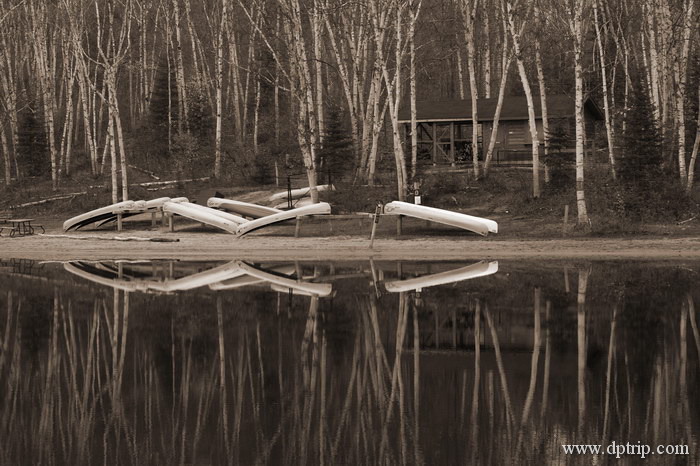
column 296, row 291
column 207, row 277
column 482, row 226
column 241, row 208
column 248, row 280
column 297, row 193
column 313, row 209
column 479, row 269
column 93, row 274
column 315, row 289
column 97, row 215
column 199, row 214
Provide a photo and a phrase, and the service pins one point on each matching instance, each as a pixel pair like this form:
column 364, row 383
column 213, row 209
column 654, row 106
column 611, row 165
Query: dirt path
column 203, row 245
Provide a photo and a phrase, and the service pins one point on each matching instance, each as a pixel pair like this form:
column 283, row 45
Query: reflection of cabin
column 445, row 127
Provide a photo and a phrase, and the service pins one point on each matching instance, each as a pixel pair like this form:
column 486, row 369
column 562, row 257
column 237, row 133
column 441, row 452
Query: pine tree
column 32, row 150
column 640, row 164
column 336, row 155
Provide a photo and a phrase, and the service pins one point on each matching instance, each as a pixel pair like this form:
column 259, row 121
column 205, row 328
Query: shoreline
column 208, row 246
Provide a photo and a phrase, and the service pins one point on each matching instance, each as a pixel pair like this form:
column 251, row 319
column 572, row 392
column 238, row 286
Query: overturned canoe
column 241, row 208
column 141, row 207
column 97, row 215
column 298, row 193
column 199, row 214
column 322, row 208
column 225, row 215
column 295, row 203
column 480, row 269
column 482, row 226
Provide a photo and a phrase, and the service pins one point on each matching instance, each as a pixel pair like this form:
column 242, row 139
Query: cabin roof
column 514, row 108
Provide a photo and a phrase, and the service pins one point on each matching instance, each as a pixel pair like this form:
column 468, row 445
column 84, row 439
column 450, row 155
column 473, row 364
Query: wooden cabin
column 445, row 127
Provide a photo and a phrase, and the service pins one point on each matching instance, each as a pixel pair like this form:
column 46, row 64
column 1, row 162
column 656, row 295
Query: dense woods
column 229, row 88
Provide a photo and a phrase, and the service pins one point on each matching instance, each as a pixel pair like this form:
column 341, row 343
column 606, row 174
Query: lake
column 362, row 362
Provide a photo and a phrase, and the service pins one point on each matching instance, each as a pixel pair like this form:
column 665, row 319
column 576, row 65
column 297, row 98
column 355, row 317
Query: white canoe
column 181, row 208
column 295, row 203
column 225, row 215
column 97, row 215
column 480, row 269
column 141, row 207
column 313, row 289
column 322, row 208
column 297, row 193
column 241, row 208
column 247, row 280
column 207, row 277
column 482, row 226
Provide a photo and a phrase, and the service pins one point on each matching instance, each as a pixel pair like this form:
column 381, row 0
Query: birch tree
column 469, row 8
column 40, row 35
column 517, row 50
column 575, row 18
column 609, row 129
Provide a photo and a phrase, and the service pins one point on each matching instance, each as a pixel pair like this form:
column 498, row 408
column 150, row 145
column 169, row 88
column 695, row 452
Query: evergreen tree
column 336, row 155
column 559, row 160
column 32, row 150
column 640, row 163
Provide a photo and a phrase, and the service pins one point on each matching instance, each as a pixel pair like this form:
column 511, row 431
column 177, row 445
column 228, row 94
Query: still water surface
column 171, row 362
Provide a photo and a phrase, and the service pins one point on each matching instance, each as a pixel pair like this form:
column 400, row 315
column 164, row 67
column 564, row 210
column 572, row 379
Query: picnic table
column 21, row 226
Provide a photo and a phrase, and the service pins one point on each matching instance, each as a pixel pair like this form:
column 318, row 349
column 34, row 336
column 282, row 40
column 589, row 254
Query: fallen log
column 48, row 199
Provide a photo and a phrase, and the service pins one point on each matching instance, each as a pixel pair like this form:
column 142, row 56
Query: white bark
column 515, row 36
column 469, row 13
column 219, row 78
column 576, row 25
column 542, row 87
column 609, row 128
column 681, row 71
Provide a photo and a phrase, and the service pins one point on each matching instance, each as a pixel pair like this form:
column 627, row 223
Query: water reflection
column 344, row 363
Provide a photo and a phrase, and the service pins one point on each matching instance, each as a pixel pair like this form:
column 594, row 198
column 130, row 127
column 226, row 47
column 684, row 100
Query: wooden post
column 277, row 174
column 375, row 222
column 153, row 219
column 434, row 143
column 566, row 219
column 171, row 223
column 452, row 142
column 119, row 222
column 297, row 228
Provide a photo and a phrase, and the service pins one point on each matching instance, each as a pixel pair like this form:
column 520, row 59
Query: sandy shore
column 217, row 246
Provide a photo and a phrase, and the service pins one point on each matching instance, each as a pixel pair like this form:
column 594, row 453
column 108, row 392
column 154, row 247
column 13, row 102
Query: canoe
column 314, row 209
column 295, row 203
column 314, row 289
column 181, row 208
column 141, row 207
column 481, row 226
column 225, row 215
column 97, row 215
column 297, row 193
column 480, row 269
column 241, row 208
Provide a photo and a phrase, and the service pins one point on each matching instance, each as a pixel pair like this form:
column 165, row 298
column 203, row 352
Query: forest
column 97, row 89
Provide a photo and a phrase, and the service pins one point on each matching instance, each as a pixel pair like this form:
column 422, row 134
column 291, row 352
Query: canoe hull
column 322, row 208
column 241, row 208
column 481, row 226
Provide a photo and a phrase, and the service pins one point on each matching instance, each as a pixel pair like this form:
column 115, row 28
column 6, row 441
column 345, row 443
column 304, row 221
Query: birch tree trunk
column 542, row 87
column 183, row 109
column 219, row 78
column 576, row 25
column 469, row 10
column 515, row 36
column 506, row 59
column 694, row 155
column 414, row 110
column 609, row 129
column 681, row 71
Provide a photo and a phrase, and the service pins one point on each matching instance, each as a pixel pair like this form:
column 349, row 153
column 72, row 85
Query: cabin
column 445, row 127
